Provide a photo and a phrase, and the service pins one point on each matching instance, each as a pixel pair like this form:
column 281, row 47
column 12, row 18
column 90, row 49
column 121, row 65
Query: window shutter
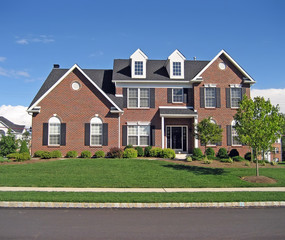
column 125, row 135
column 45, row 134
column 87, row 134
column 219, row 143
column 152, row 136
column 105, row 134
column 191, row 97
column 229, row 135
column 185, row 95
column 218, row 97
column 169, row 95
column 152, row 97
column 228, row 97
column 63, row 134
column 125, row 97
column 243, row 91
column 202, row 97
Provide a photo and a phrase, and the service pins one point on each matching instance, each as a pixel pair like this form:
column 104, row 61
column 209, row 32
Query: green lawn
column 128, row 173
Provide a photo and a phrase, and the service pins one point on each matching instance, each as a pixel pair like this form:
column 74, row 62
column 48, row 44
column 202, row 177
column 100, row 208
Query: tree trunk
column 257, row 170
column 251, row 155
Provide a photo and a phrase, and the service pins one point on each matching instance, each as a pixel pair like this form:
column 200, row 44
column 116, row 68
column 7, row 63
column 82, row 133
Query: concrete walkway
column 142, row 190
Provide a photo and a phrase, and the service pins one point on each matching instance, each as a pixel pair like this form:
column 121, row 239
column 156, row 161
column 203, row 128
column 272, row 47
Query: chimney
column 55, row 65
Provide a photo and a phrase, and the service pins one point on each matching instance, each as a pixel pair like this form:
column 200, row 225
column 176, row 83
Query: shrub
column 155, row 152
column 128, row 146
column 213, row 158
column 56, row 154
column 247, row 163
column 130, row 153
column 210, row 152
column 234, row 152
column 263, row 163
column 226, row 160
column 23, row 157
column 99, row 154
column 115, row 152
column 247, row 156
column 46, row 155
column 197, row 153
column 71, row 154
column 7, row 144
column 38, row 154
column 222, row 153
column 273, row 163
column 147, row 151
column 168, row 153
column 207, row 161
column 85, row 154
column 2, row 160
column 238, row 159
column 24, row 148
column 140, row 151
column 12, row 155
column 189, row 159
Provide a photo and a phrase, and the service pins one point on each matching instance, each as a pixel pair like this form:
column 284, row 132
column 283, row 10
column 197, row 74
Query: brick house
column 140, row 102
column 16, row 130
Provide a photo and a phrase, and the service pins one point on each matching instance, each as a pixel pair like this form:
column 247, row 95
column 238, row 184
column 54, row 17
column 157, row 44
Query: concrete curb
column 140, row 205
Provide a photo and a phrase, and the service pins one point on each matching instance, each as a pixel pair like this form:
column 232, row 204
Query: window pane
column 210, row 97
column 132, row 130
column 144, row 140
column 144, row 102
column 144, row 92
column 235, row 96
column 138, row 68
column 133, row 140
column 177, row 68
column 96, row 129
column 133, row 92
column 133, row 102
column 234, row 137
column 96, row 140
column 54, row 128
column 177, row 94
column 144, row 130
column 177, row 99
column 54, row 139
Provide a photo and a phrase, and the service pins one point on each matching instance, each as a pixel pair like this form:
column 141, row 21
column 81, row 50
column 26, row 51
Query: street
column 253, row 223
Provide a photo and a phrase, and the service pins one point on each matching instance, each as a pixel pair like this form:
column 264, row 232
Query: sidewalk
column 142, row 190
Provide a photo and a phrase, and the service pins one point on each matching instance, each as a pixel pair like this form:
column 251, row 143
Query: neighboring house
column 16, row 130
column 140, row 102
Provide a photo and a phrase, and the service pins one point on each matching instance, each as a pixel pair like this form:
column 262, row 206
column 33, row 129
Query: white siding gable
column 175, row 57
column 138, row 56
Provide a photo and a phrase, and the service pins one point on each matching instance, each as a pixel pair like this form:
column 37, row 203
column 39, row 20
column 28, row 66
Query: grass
column 142, row 197
column 128, row 173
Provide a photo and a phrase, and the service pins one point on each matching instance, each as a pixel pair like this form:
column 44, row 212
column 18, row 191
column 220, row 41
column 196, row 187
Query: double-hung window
column 235, row 97
column 235, row 141
column 138, row 98
column 138, row 68
column 210, row 97
column 96, row 132
column 176, row 68
column 138, row 135
column 54, row 131
column 177, row 95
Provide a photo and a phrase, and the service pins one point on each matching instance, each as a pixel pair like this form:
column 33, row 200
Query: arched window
column 96, row 131
column 235, row 141
column 54, row 131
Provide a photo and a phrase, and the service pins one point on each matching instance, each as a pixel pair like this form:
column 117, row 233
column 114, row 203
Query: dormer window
column 176, row 68
column 175, row 65
column 138, row 68
column 138, row 64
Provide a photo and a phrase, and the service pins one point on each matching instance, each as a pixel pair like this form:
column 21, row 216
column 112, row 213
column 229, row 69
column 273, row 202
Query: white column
column 119, row 132
column 195, row 131
column 162, row 132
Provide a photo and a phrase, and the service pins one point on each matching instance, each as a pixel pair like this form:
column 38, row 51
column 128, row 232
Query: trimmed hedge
column 38, row 153
column 23, row 156
column 130, row 153
column 210, row 152
column 56, row 154
column 71, row 154
column 222, row 153
column 12, row 155
column 99, row 154
column 85, row 154
column 128, row 146
column 168, row 153
column 155, row 152
column 147, row 151
column 140, row 151
column 197, row 154
column 46, row 155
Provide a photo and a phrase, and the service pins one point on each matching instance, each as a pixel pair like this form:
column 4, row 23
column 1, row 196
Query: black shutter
column 87, row 134
column 202, row 97
column 169, row 95
column 228, row 97
column 218, row 97
column 152, row 97
column 125, row 135
column 45, row 134
column 185, row 95
column 191, row 97
column 229, row 135
column 125, row 97
column 105, row 134
column 152, row 136
column 63, row 134
column 243, row 92
column 220, row 143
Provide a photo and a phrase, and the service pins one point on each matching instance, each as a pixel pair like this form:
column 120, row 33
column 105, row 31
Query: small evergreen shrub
column 71, row 154
column 147, row 151
column 238, row 159
column 130, row 153
column 222, row 153
column 38, row 154
column 168, row 153
column 247, row 163
column 85, row 154
column 273, row 163
column 56, row 154
column 140, row 151
column 247, row 156
column 213, row 158
column 12, row 155
column 234, row 152
column 197, row 154
column 24, row 148
column 207, row 161
column 115, row 152
column 128, row 146
column 46, row 155
column 226, row 160
column 155, row 152
column 189, row 159
column 210, row 152
column 23, row 156
column 99, row 154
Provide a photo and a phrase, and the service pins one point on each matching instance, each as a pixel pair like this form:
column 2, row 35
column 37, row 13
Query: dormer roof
column 175, row 54
column 139, row 54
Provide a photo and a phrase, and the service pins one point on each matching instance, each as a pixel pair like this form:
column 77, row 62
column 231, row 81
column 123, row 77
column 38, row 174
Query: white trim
column 231, row 60
column 162, row 132
column 196, row 142
column 119, row 132
column 160, row 84
column 118, row 95
column 182, row 95
column 51, row 121
column 63, row 77
column 235, row 86
column 101, row 135
column 138, row 135
column 181, row 126
column 139, row 123
column 178, row 115
column 210, row 85
column 151, row 81
column 176, row 107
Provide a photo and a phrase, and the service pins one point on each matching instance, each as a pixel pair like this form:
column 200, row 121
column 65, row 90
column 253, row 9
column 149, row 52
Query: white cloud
column 276, row 96
column 13, row 73
column 2, row 59
column 16, row 114
column 35, row 39
column 22, row 41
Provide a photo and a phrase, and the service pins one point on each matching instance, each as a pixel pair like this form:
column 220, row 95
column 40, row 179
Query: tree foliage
column 258, row 124
column 24, row 148
column 7, row 144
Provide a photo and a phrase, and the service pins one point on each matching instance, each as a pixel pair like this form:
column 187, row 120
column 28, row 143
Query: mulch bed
column 259, row 179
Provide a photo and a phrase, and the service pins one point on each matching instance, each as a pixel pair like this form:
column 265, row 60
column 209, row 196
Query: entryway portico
column 177, row 128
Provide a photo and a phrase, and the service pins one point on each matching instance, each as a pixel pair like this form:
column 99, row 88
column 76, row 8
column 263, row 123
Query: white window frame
column 177, row 95
column 276, row 149
column 96, row 121
column 233, row 123
column 139, row 98
column 54, row 120
column 135, row 70
column 173, row 72
column 205, row 96
column 232, row 97
column 138, row 134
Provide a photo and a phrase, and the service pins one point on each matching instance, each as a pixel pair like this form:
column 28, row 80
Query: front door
column 177, row 138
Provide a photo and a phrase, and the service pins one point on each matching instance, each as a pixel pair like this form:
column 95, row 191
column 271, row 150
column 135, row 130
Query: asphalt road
column 262, row 223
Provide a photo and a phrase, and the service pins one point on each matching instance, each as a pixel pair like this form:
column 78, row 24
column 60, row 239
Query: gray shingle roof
column 177, row 111
column 16, row 128
column 155, row 69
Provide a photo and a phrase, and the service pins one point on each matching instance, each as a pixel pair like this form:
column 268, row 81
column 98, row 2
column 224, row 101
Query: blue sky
column 37, row 34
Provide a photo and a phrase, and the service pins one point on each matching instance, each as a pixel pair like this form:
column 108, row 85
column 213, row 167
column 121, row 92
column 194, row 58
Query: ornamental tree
column 7, row 144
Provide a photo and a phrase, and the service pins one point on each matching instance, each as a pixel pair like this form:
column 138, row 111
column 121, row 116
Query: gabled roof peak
column 139, row 54
column 177, row 53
